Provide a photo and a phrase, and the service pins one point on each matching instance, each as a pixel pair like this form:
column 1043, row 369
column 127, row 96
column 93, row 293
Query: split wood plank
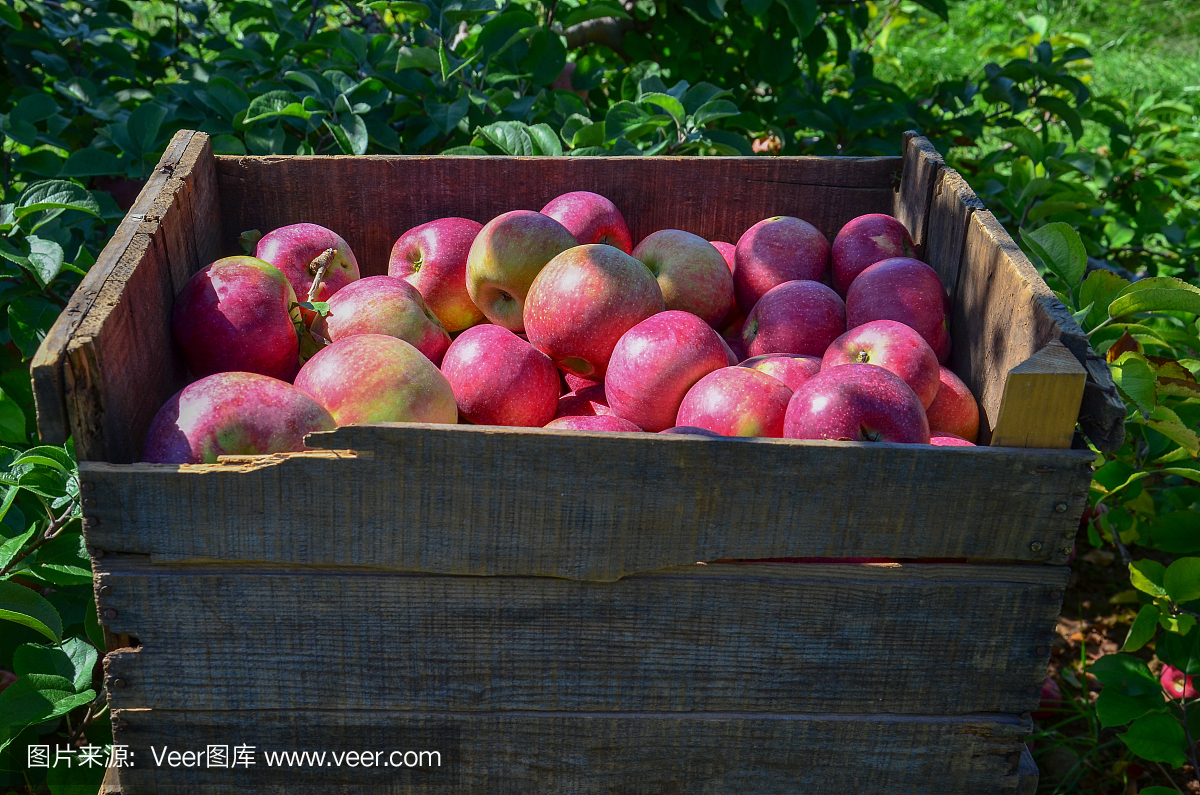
column 482, row 500
column 576, row 753
column 952, row 206
column 1040, row 402
column 922, row 169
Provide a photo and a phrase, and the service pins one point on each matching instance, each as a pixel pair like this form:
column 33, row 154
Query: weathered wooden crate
column 527, row 603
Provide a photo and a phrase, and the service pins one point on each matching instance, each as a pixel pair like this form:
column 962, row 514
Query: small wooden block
column 1041, row 400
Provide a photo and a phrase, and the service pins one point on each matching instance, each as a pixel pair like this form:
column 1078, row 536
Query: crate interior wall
column 528, row 603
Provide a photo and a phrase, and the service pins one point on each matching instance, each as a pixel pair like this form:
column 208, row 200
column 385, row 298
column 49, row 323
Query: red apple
column 774, row 251
column 801, row 317
column 692, row 430
column 500, row 379
column 943, row 439
column 907, row 291
column 1051, row 700
column 433, row 258
column 857, row 403
column 385, row 305
column 236, row 316
column 583, row 301
column 1176, row 683
column 232, row 414
column 600, row 422
column 736, row 401
column 506, row 256
column 790, row 368
column 591, row 218
column 954, row 409
column 8, row 677
column 864, row 241
column 894, row 347
column 299, row 250
column 691, row 273
column 587, row 402
column 577, row 382
column 727, row 252
column 376, row 378
column 656, row 362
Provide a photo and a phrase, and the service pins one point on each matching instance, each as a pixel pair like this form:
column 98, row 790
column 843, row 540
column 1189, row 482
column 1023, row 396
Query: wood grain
column 951, row 209
column 1040, row 402
column 922, row 169
column 372, row 200
column 479, row 500
column 577, row 753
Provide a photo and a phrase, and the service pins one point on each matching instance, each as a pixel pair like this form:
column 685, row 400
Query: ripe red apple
column 1176, row 683
column 907, row 291
column 591, row 218
column 943, row 439
column 500, row 379
column 692, row 430
column 894, row 347
column 600, row 422
column 376, row 378
column 691, row 273
column 385, row 305
column 857, row 403
column 433, row 258
column 1051, row 700
column 774, row 251
column 801, row 317
column 506, row 256
column 236, row 315
column 954, row 409
column 727, row 251
column 656, row 362
column 583, row 301
column 300, row 249
column 736, row 401
column 577, row 382
column 587, row 402
column 864, row 241
column 790, row 368
column 232, row 414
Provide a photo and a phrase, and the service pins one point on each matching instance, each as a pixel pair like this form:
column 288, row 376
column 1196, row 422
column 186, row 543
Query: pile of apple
column 554, row 319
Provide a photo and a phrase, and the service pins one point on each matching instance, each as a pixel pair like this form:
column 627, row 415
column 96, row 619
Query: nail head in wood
column 1036, row 546
column 89, row 503
column 96, row 552
column 1060, row 507
column 91, row 521
column 119, row 684
column 105, row 590
column 110, row 613
column 87, row 485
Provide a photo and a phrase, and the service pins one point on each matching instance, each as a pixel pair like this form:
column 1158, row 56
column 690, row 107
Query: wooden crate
column 528, row 603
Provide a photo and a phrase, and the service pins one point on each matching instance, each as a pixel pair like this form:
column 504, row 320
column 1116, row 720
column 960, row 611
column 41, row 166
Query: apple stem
column 318, row 267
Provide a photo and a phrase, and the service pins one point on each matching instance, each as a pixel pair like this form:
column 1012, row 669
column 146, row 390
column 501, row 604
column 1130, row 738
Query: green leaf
column 1025, row 140
column 415, row 12
column 90, row 162
column 1114, row 708
column 544, row 140
column 273, row 105
column 511, row 137
column 594, row 10
column 1142, row 630
column 248, row 240
column 34, row 108
column 11, row 546
column 37, row 698
column 1158, row 791
column 465, row 151
column 1175, row 532
column 1063, row 111
column 802, row 13
column 936, row 6
column 1125, row 674
column 1099, row 289
column 350, row 132
column 10, row 16
column 667, row 102
column 1158, row 738
column 1060, row 249
column 1157, row 294
column 417, row 58
column 713, row 110
column 24, row 606
column 55, row 194
column 76, row 780
column 1147, row 576
column 91, row 624
column 143, row 126
column 73, row 661
column 45, row 259
column 1137, row 379
column 446, row 116
column 1182, row 651
column 225, row 97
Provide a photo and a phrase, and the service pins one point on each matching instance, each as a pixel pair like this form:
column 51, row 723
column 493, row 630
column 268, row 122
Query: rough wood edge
column 46, row 367
column 111, row 785
column 1040, row 403
column 951, row 209
column 1027, row 774
column 922, row 167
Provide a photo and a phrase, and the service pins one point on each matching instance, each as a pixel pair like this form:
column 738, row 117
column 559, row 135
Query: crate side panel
column 922, row 167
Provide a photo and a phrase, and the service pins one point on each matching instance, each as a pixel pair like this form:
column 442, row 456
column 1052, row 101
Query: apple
column 377, row 378
column 857, row 403
column 656, row 362
column 236, row 315
column 1176, row 683
column 905, row 290
column 587, row 402
column 433, row 258
column 954, row 409
column 591, row 218
column 801, row 317
column 1051, row 700
column 727, row 250
column 864, row 241
column 500, row 379
column 7, row 678
column 575, row 383
column 894, row 347
column 600, row 422
column 583, row 301
column 692, row 430
column 774, row 251
column 942, row 439
column 232, row 414
column 506, row 256
column 385, row 305
column 790, row 368
column 736, row 401
column 299, row 251
column 691, row 273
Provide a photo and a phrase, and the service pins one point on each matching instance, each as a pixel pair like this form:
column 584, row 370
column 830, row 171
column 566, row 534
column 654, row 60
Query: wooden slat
column 372, row 200
column 1040, row 402
column 1027, row 773
column 950, row 213
column 578, row 753
column 1004, row 314
column 922, row 169
column 478, row 500
column 725, row 637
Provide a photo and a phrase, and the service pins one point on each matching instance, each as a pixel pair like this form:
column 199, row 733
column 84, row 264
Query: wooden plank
column 950, row 213
column 1040, row 402
column 725, row 637
column 1003, row 313
column 576, row 753
column 1027, row 773
column 482, row 500
column 112, row 782
column 922, row 168
column 380, row 197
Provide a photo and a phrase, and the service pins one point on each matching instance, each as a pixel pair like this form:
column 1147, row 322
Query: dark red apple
column 237, row 315
column 907, row 291
column 500, row 379
column 790, row 368
column 577, row 382
column 692, row 430
column 385, row 305
column 600, row 422
column 943, row 439
column 656, row 362
column 857, row 403
column 864, row 241
column 954, row 409
column 1051, row 700
column 299, row 250
column 894, row 347
column 587, row 402
column 433, row 258
column 801, row 317
column 691, row 273
column 232, row 414
column 774, row 251
column 1176, row 683
column 736, row 401
column 591, row 218
column 727, row 252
